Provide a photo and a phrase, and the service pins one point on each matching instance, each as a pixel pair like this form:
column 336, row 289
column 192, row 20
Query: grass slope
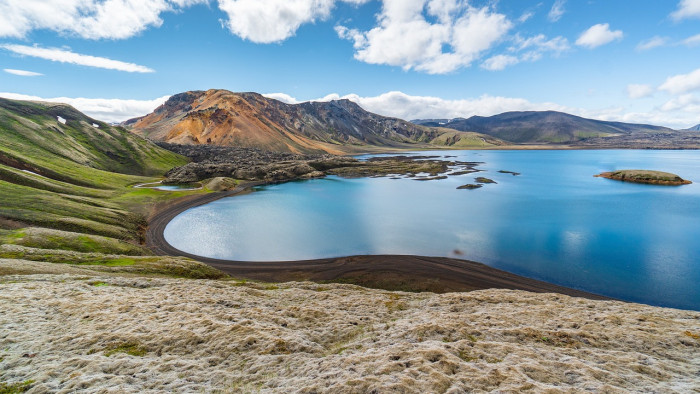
column 66, row 188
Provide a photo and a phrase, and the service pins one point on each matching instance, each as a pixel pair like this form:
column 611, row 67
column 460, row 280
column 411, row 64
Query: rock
column 645, row 176
column 469, row 186
column 219, row 184
column 481, row 179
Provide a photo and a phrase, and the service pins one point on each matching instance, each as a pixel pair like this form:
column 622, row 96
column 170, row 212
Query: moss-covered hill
column 65, row 184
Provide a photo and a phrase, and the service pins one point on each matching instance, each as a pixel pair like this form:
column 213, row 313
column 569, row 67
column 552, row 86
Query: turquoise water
column 555, row 222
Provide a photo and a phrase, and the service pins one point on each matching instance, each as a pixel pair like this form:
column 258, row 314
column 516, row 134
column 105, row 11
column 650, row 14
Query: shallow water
column 555, row 222
column 169, row 188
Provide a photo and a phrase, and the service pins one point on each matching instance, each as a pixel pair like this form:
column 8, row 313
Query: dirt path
column 390, row 272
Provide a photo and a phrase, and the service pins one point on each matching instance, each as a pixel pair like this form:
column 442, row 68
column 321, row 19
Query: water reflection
column 555, row 222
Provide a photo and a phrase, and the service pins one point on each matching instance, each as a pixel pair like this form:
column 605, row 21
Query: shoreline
column 389, row 272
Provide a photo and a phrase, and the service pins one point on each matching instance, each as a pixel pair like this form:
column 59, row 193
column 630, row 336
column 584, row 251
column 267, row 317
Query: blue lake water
column 555, row 222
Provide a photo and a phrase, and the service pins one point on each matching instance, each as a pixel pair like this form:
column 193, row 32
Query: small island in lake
column 646, row 176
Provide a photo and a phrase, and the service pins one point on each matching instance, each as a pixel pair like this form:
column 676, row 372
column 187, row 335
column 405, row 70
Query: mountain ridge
column 541, row 126
column 251, row 120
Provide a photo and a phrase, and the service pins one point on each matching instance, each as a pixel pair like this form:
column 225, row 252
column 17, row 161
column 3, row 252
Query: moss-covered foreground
column 170, row 335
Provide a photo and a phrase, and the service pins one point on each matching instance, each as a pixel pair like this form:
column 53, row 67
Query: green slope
column 64, row 175
column 66, row 192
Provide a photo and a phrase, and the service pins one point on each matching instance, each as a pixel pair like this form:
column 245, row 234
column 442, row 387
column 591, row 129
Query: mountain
column 694, row 128
column 542, row 127
column 64, row 170
column 250, row 120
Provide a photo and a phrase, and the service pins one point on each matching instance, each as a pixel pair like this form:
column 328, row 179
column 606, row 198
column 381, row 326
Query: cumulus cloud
column 91, row 19
column 557, row 10
column 66, row 56
column 682, row 83
column 433, row 36
column 22, row 73
column 652, row 43
column 636, row 91
column 274, row 20
column 598, row 35
column 107, row 110
column 687, row 9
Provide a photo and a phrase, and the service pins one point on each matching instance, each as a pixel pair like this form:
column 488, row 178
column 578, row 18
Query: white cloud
column 635, row 91
column 687, row 9
column 22, row 73
column 92, row 19
column 682, row 83
column 107, row 110
column 526, row 50
column 557, row 10
column 652, row 43
column 685, row 102
column 598, row 35
column 401, row 105
column 283, row 97
column 692, row 41
column 274, row 20
column 65, row 56
column 677, row 113
column 455, row 36
column 499, row 62
column 526, row 16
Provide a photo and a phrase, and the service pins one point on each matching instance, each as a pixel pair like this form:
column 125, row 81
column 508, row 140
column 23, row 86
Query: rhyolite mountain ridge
column 251, row 120
column 542, row 127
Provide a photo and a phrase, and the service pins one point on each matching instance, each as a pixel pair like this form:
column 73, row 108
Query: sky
column 624, row 60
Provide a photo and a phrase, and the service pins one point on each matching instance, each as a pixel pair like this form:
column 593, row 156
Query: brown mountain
column 250, row 120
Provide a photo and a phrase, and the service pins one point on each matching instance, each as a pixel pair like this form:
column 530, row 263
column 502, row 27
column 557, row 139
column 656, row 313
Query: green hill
column 66, row 195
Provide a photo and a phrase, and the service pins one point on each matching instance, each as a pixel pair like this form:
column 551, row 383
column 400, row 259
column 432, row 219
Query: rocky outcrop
column 258, row 165
column 645, row 176
column 86, row 333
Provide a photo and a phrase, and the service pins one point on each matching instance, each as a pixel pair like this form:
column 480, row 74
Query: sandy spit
column 72, row 333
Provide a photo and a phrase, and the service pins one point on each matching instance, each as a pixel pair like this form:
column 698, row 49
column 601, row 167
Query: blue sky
column 635, row 61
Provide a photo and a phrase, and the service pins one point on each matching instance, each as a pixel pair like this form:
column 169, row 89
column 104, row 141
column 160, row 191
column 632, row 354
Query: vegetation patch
column 64, row 240
column 130, row 348
column 15, row 388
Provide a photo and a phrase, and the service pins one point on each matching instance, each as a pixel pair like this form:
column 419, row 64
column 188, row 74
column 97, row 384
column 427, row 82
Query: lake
column 554, row 222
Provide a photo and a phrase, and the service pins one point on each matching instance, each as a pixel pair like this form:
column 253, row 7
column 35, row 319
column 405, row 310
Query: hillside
column 541, row 127
column 250, row 120
column 694, row 128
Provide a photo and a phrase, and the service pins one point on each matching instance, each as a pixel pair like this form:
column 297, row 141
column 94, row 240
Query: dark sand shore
column 390, row 272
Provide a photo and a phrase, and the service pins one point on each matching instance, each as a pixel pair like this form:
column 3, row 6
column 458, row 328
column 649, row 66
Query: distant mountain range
column 250, row 120
column 694, row 128
column 221, row 117
column 541, row 127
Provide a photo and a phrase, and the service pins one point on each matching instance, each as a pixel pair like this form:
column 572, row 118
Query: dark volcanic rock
column 469, row 186
column 251, row 164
